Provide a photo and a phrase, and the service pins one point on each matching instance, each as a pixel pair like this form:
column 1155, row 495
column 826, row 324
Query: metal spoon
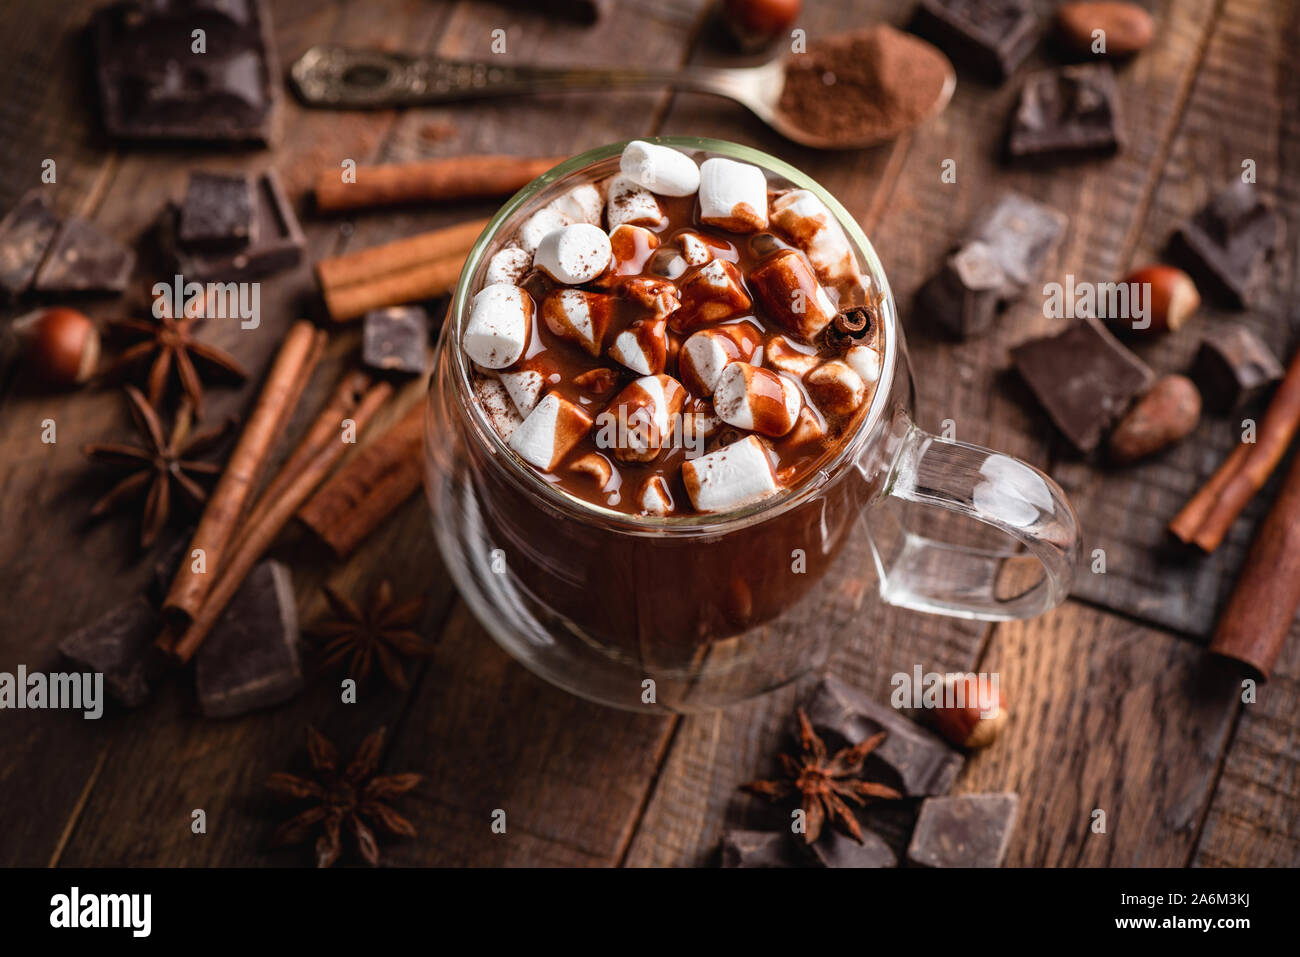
column 346, row 78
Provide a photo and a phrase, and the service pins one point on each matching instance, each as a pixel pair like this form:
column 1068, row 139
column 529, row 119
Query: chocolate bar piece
column 919, row 762
column 1234, row 367
column 966, row 830
column 1083, row 378
column 1073, row 111
column 759, row 849
column 278, row 246
column 121, row 646
column 834, row 849
column 1004, row 251
column 990, row 37
column 1225, row 245
column 155, row 85
column 84, row 258
column 250, row 660
column 396, row 339
column 217, row 212
column 25, row 236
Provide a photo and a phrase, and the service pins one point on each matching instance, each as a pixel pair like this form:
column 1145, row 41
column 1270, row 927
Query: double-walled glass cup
column 685, row 613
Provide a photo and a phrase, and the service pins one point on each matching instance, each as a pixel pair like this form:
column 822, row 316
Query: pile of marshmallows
column 754, row 385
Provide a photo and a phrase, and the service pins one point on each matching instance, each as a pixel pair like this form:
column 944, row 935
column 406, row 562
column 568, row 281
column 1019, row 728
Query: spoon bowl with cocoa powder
column 848, row 91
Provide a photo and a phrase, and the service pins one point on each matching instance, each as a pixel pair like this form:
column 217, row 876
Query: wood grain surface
column 1113, row 706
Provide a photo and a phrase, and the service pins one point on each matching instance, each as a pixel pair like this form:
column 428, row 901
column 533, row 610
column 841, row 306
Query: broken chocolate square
column 217, row 212
column 834, row 849
column 1070, row 111
column 84, row 258
column 1225, row 245
column 1234, row 367
column 1083, row 378
column 25, row 236
column 964, row 296
column 1022, row 233
column 250, row 660
column 278, row 245
column 990, row 37
column 913, row 760
column 966, row 830
column 759, row 849
column 121, row 646
column 396, row 339
column 176, row 70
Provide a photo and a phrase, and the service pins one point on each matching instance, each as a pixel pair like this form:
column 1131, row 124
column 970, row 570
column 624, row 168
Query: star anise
column 169, row 343
column 383, row 630
column 822, row 782
column 353, row 797
column 157, row 464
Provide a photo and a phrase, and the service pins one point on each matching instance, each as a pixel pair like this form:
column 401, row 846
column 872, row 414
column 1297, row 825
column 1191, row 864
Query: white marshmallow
column 525, row 388
column 865, row 361
column 508, row 265
column 660, row 169
column 756, row 399
column 579, row 316
column 551, row 429
column 804, row 219
column 535, row 227
column 573, row 254
column 836, row 388
column 695, row 250
column 496, row 405
column 500, row 320
column 582, row 204
column 655, row 499
column 635, row 426
column 733, row 195
column 784, row 357
column 735, row 475
column 788, row 288
column 706, row 353
column 632, row 204
column 642, row 346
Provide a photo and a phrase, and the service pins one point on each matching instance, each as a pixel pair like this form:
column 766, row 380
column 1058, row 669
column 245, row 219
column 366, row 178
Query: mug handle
column 997, row 490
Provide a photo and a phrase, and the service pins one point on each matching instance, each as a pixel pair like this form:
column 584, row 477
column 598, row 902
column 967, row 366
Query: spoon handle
column 347, row 78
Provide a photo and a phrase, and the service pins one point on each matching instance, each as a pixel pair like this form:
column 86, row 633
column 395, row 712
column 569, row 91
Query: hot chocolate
column 689, row 336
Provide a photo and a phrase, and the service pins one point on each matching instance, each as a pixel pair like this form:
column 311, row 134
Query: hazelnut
column 756, row 23
column 1167, row 412
column 62, row 346
column 965, row 724
column 1171, row 301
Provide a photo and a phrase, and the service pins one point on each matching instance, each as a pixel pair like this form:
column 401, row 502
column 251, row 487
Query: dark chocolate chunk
column 1022, row 234
column 217, row 212
column 1234, row 367
column 919, row 762
column 396, row 339
column 1225, row 245
column 278, row 246
column 834, row 849
column 121, row 646
column 155, row 85
column 251, row 660
column 1073, row 111
column 966, row 830
column 964, row 296
column 1084, row 379
column 759, row 849
column 25, row 236
column 84, row 258
column 989, row 37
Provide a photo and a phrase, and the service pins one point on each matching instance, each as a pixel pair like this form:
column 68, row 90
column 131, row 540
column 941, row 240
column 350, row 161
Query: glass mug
column 689, row 613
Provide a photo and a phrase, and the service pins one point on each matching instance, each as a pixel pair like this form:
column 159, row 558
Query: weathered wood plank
column 1104, row 715
column 1246, row 76
column 1254, row 819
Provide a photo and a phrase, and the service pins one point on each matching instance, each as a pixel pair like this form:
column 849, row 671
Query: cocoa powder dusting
column 869, row 84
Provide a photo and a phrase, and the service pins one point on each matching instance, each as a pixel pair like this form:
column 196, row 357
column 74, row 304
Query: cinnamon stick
column 429, row 281
column 458, row 177
column 365, row 491
column 1262, row 608
column 293, row 365
column 258, row 537
column 366, row 265
column 1208, row 515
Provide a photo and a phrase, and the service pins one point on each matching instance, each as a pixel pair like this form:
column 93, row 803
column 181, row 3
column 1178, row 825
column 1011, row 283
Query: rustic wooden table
column 1113, row 706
